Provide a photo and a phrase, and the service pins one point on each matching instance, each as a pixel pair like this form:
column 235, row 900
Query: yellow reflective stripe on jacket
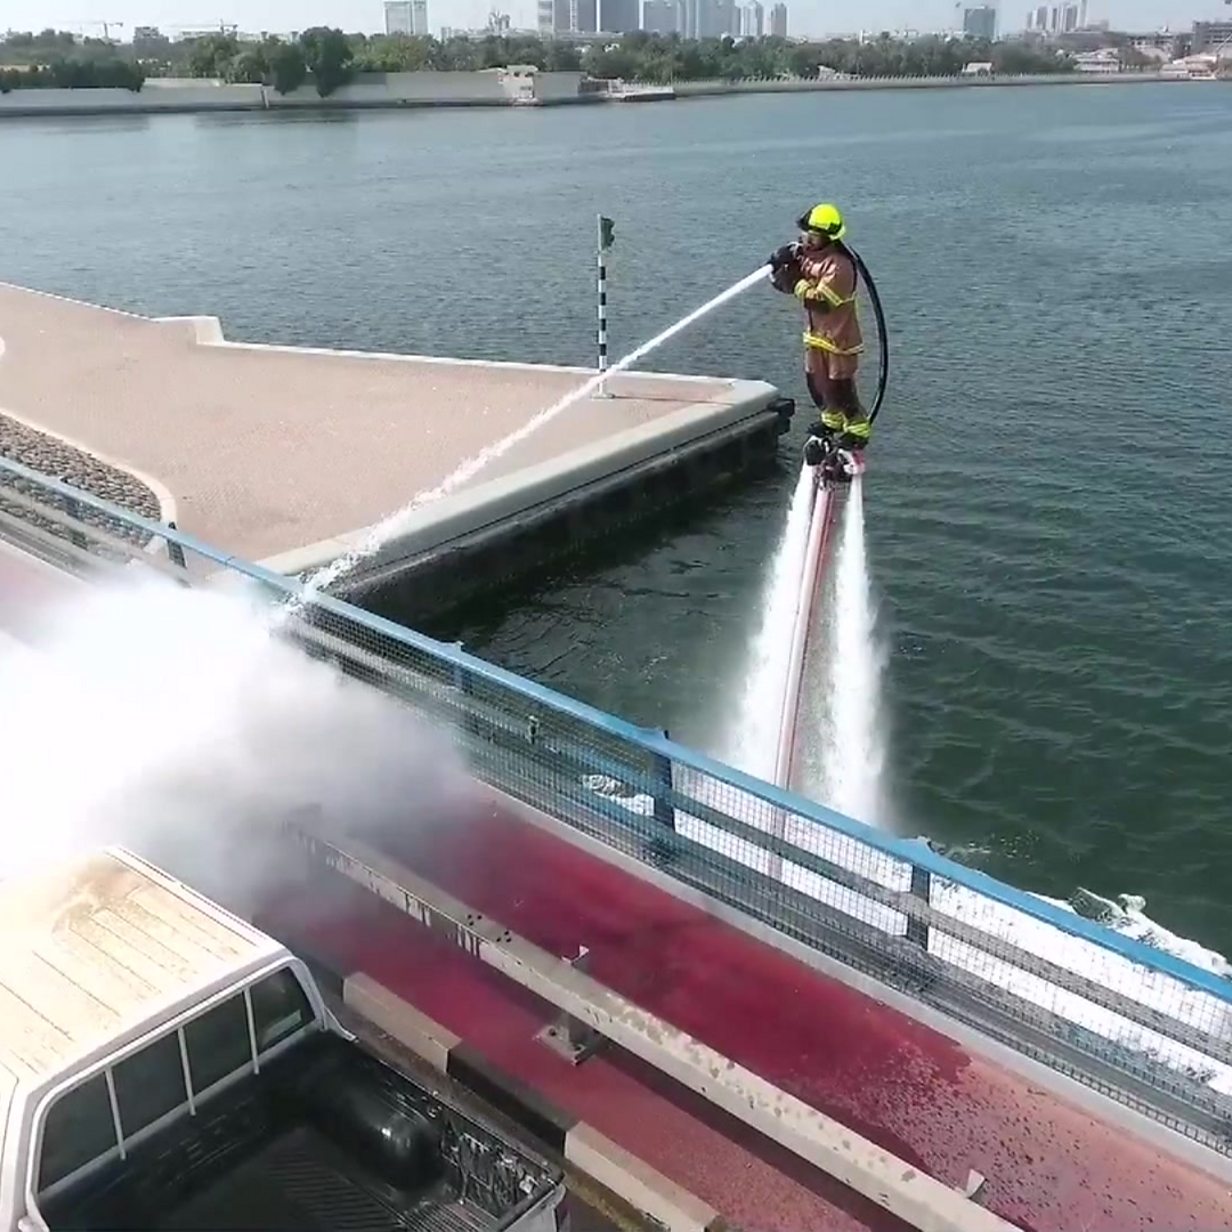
column 806, row 291
column 820, row 343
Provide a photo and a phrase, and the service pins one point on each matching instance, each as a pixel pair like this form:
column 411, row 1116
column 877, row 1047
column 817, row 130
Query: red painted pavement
column 1050, row 1166
column 749, row 1180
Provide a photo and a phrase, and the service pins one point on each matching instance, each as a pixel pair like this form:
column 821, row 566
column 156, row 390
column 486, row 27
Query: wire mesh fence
column 1140, row 1025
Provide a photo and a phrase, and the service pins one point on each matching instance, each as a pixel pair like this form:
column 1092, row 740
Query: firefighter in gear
column 823, row 275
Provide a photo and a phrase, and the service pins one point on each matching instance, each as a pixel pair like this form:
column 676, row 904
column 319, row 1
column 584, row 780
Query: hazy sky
column 806, row 16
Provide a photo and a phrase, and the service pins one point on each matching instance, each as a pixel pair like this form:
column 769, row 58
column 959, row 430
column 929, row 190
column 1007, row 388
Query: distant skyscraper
column 980, row 22
column 419, row 17
column 717, row 17
column 619, row 16
column 399, row 18
column 583, row 16
column 778, row 21
column 568, row 16
column 753, row 20
column 663, row 16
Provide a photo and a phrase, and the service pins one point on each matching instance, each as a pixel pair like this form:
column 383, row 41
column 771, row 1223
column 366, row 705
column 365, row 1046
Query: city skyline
column 808, row 17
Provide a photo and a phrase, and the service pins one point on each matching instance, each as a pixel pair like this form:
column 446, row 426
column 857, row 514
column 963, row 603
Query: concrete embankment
column 800, row 85
column 391, row 91
column 369, row 90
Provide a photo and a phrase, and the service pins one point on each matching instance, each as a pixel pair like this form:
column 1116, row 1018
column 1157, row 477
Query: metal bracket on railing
column 72, row 509
column 569, row 1037
column 664, row 810
column 175, row 551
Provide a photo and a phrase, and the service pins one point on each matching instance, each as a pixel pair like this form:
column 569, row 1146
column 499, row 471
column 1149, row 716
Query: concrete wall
column 552, row 87
column 368, row 90
column 152, row 98
column 399, row 89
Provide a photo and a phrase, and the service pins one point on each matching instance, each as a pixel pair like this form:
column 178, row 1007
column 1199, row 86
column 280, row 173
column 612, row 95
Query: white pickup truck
column 165, row 1065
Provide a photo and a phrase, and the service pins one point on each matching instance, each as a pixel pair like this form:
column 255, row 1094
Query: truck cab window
column 149, row 1084
column 218, row 1043
column 279, row 1008
column 79, row 1128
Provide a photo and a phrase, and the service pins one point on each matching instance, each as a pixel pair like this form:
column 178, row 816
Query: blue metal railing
column 1140, row 1024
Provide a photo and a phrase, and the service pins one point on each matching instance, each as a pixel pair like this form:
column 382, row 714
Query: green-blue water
column 1049, row 505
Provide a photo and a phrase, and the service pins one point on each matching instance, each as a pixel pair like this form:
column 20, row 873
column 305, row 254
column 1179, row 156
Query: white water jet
column 854, row 759
column 752, row 742
column 389, row 527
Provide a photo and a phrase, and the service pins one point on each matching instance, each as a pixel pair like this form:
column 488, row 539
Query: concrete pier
column 286, row 455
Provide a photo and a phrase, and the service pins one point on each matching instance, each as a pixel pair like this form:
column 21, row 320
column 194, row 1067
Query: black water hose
column 883, row 377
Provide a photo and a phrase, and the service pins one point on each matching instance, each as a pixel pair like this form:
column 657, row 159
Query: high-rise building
column 419, row 17
column 399, row 18
column 715, row 18
column 619, row 16
column 663, row 16
column 1063, row 18
column 583, row 16
column 752, row 20
column 1212, row 36
column 568, row 16
column 778, row 21
column 980, row 22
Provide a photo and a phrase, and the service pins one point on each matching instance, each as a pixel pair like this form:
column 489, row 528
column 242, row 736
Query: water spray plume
column 855, row 760
column 391, row 526
column 178, row 722
column 752, row 742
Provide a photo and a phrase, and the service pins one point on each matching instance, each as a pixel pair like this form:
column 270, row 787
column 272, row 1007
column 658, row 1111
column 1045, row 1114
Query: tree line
column 328, row 58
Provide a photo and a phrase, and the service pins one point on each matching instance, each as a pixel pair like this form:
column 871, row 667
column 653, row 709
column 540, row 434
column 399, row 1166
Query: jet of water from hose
column 387, row 529
column 752, row 741
column 855, row 760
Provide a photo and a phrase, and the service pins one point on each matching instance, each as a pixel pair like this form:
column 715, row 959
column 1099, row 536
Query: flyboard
column 832, row 469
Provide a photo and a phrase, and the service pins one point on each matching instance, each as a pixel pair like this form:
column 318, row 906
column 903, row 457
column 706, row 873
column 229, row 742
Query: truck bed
column 326, row 1139
column 302, row 1180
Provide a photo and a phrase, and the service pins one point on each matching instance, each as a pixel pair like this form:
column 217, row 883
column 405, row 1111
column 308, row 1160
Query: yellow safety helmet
column 825, row 219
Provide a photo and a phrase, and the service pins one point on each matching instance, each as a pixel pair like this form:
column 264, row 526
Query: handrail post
column 921, row 888
column 661, row 770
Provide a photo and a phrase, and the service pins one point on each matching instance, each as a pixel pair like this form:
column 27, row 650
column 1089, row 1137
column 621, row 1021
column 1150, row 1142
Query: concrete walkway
column 264, row 450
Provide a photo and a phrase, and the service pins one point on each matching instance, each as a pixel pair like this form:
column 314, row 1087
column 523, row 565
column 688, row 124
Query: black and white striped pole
column 606, row 231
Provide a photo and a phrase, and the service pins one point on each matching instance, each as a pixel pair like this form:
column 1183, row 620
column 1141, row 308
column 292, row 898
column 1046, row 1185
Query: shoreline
column 253, row 99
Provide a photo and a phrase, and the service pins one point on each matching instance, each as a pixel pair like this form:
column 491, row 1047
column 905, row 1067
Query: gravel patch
column 79, row 469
